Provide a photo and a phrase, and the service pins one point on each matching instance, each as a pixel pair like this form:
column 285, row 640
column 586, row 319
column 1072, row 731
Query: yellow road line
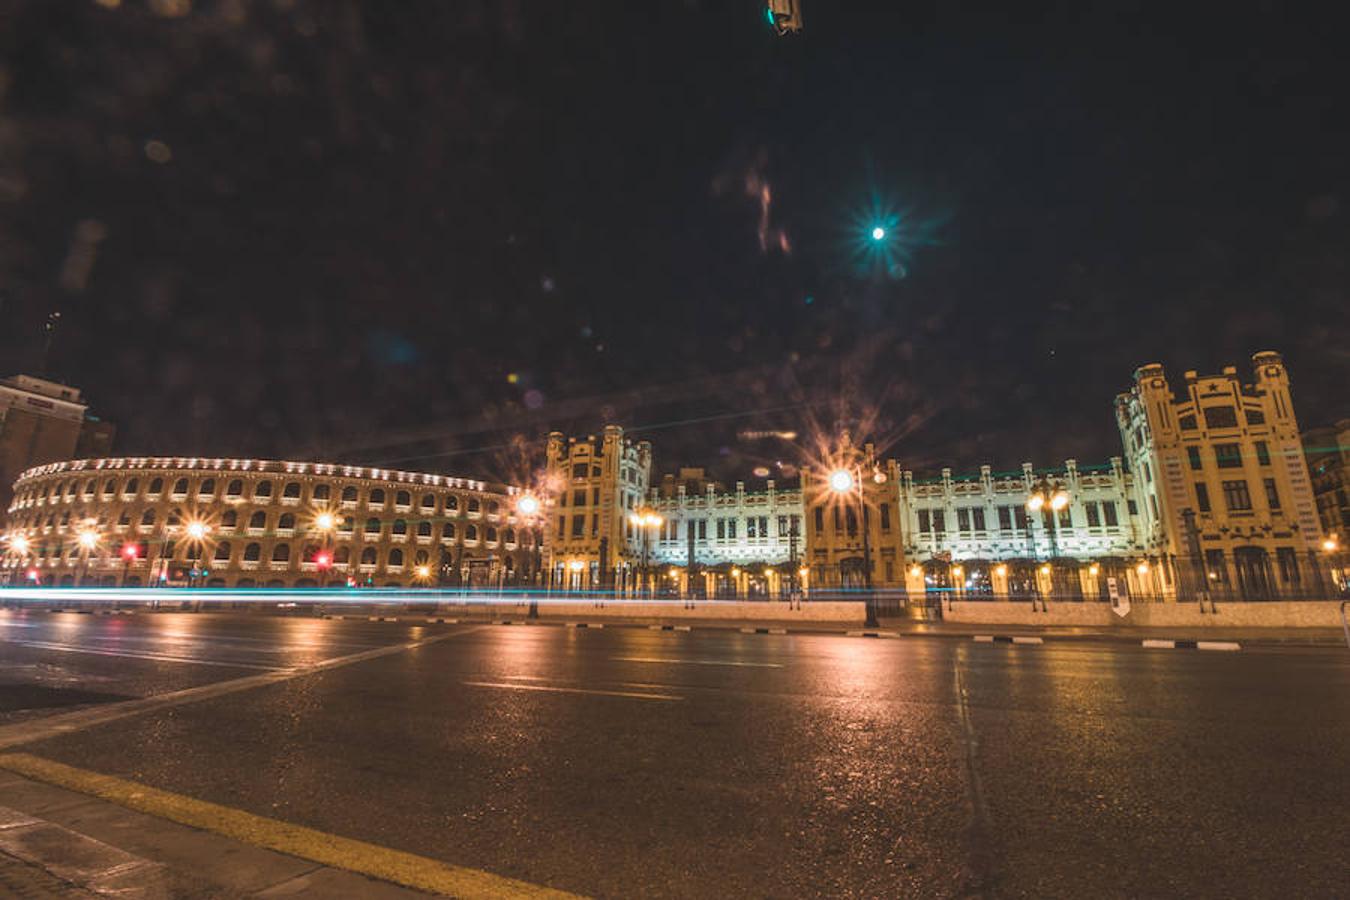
column 406, row 869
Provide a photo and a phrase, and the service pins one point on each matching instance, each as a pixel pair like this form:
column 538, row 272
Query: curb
column 1007, row 639
column 1155, row 644
column 873, row 634
column 759, row 630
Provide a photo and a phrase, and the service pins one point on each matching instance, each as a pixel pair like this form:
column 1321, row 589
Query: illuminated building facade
column 714, row 542
column 1328, row 453
column 974, row 535
column 42, row 421
column 244, row 523
column 1225, row 503
column 595, row 489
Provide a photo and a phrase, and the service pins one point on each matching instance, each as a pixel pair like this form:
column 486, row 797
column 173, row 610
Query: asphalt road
column 626, row 762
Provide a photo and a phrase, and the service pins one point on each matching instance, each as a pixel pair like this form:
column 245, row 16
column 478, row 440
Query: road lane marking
column 78, row 720
column 158, row 657
column 333, row 850
column 1218, row 645
column 697, row 662
column 567, row 690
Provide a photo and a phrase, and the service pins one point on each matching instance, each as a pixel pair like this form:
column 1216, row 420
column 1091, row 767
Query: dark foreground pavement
column 629, row 762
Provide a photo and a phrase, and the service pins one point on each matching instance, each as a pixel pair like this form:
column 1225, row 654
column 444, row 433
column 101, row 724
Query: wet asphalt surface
column 721, row 764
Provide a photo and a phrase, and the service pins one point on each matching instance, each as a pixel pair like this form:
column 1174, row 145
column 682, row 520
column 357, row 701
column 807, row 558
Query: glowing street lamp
column 19, row 544
column 130, row 553
column 88, row 541
column 326, row 523
column 878, row 233
column 842, row 482
column 646, row 521
column 529, row 508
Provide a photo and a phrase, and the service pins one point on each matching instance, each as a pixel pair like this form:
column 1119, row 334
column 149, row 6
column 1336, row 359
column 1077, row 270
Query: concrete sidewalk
column 75, row 845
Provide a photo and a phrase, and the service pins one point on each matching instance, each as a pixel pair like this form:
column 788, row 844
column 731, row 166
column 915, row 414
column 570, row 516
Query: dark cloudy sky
column 378, row 231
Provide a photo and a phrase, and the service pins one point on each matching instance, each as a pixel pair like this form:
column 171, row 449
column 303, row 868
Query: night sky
column 408, row 232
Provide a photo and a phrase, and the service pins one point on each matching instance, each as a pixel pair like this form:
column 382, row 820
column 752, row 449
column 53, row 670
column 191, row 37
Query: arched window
column 124, row 518
column 281, row 553
column 451, row 502
column 403, row 498
column 89, row 488
column 491, row 535
column 349, row 494
column 372, row 526
column 235, row 488
column 252, row 552
column 309, row 552
column 230, row 519
column 287, row 521
column 470, row 532
column 396, row 557
column 474, row 505
column 321, row 492
column 70, row 489
column 377, row 497
column 148, row 517
column 346, row 525
column 258, row 519
column 223, row 551
column 368, row 556
column 510, row 535
column 180, row 486
column 156, row 487
column 110, row 486
column 493, row 507
column 208, row 488
column 400, row 526
column 263, row 489
column 342, row 555
column 292, row 490
column 424, row 529
column 449, row 531
column 172, row 518
column 428, row 501
column 65, row 518
column 133, row 485
column 421, row 558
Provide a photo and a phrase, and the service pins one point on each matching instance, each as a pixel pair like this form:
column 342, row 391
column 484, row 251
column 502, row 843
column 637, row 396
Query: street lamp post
column 325, row 522
column 527, row 508
column 88, row 540
column 196, row 531
column 19, row 544
column 1047, row 498
column 130, row 553
column 1331, row 546
column 646, row 520
column 845, row 482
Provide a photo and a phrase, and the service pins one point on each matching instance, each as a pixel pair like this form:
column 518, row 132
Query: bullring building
column 245, row 523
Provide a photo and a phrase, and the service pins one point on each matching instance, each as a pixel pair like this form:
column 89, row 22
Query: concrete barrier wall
column 666, row 610
column 1020, row 613
column 1280, row 614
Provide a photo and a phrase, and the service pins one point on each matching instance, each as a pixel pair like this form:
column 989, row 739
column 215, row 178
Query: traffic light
column 323, row 559
column 130, row 552
column 784, row 15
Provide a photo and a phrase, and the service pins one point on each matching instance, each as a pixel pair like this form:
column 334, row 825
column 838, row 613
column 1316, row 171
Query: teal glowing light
column 878, row 233
column 768, row 14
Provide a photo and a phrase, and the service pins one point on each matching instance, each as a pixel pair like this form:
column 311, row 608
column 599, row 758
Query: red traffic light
column 130, row 552
column 32, row 574
column 323, row 559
